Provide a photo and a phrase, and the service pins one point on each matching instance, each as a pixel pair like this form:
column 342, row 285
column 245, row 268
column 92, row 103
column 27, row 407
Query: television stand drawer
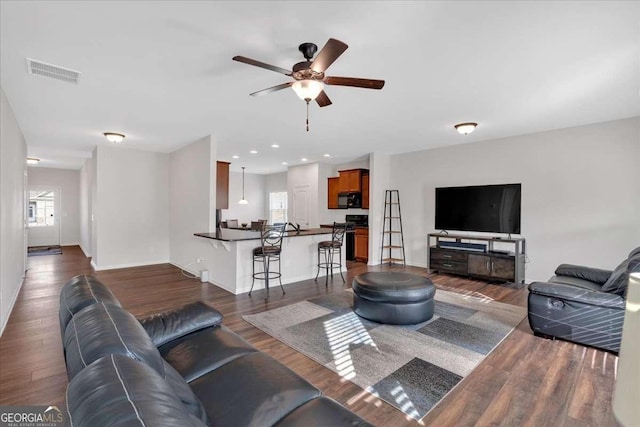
column 448, row 266
column 448, row 255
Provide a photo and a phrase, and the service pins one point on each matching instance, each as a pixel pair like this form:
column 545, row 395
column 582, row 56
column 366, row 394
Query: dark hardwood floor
column 525, row 381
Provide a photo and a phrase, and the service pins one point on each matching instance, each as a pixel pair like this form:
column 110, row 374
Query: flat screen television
column 487, row 208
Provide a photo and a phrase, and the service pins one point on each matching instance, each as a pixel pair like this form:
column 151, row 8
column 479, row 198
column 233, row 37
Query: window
column 41, row 208
column 278, row 207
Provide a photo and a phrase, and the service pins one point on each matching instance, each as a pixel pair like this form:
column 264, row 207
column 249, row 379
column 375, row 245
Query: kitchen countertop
column 235, row 235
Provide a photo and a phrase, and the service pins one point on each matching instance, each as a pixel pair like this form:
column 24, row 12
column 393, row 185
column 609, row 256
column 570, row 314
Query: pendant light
column 243, row 201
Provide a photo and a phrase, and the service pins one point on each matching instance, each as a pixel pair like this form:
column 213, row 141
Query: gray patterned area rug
column 411, row 367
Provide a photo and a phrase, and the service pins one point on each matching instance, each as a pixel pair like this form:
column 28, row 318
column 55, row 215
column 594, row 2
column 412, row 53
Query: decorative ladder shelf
column 391, row 227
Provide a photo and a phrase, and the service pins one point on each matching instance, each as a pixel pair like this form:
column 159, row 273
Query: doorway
column 43, row 216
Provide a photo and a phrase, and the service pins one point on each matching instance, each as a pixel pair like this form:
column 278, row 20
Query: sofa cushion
column 574, row 281
column 203, row 351
column 102, row 329
column 617, row 283
column 167, row 326
column 117, row 390
column 185, row 394
column 594, row 275
column 633, row 266
column 80, row 292
column 252, row 390
column 322, row 412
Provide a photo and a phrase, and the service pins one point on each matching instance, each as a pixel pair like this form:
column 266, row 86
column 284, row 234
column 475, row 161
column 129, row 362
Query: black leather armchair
column 582, row 304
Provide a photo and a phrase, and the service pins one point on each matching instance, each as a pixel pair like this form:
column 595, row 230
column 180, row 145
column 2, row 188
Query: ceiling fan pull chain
column 307, row 116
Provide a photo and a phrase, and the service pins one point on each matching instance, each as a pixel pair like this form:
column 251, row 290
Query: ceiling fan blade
column 261, row 65
column 354, row 82
column 323, row 100
column 329, row 53
column 271, row 89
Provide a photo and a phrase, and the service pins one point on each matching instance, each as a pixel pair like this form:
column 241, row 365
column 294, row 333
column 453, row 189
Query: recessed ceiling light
column 304, row 159
column 253, row 152
column 285, row 163
column 327, row 155
column 32, row 161
column 114, row 137
column 235, row 157
column 275, row 146
column 466, row 128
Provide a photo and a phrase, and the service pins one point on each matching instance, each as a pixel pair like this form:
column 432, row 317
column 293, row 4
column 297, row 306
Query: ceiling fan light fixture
column 308, row 90
column 465, row 128
column 114, row 137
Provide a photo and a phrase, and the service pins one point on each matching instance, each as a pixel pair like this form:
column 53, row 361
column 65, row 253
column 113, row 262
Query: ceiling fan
column 308, row 75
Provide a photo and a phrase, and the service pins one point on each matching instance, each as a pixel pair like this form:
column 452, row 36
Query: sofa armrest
column 173, row 324
column 581, row 295
column 594, row 275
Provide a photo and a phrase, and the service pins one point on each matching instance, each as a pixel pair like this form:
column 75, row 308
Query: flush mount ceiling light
column 114, row 137
column 243, row 201
column 235, row 157
column 275, row 146
column 253, row 152
column 326, row 155
column 466, row 128
column 32, row 161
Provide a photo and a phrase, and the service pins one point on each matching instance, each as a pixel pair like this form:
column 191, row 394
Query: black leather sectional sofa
column 582, row 304
column 179, row 368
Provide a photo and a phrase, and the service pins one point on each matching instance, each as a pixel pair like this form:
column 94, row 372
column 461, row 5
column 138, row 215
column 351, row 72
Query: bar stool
column 269, row 251
column 329, row 249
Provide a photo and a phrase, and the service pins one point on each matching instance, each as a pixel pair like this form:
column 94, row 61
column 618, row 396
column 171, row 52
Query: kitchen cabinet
column 332, row 192
column 365, row 191
column 361, row 244
column 350, row 181
column 222, row 185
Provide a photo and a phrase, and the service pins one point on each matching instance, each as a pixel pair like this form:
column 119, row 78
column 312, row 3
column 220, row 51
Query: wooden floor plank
column 526, row 381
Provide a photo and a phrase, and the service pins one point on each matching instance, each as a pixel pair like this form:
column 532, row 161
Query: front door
column 43, row 216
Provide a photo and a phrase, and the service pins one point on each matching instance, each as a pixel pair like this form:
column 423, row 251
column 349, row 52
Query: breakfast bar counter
column 235, row 234
column 229, row 258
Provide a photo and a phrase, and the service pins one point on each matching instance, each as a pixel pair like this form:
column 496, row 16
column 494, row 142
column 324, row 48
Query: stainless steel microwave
column 349, row 200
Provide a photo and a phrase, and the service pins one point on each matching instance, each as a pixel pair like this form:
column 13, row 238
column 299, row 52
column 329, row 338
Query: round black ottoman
column 393, row 297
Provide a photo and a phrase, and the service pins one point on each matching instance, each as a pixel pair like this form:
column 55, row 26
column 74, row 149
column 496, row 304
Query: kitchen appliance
column 349, row 200
column 353, row 221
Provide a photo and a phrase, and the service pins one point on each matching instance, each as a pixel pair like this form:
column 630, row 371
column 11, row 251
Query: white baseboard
column 221, row 287
column 85, row 252
column 127, row 265
column 188, row 270
column 11, row 304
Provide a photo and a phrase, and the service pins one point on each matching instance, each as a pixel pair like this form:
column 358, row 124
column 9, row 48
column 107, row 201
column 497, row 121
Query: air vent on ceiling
column 53, row 71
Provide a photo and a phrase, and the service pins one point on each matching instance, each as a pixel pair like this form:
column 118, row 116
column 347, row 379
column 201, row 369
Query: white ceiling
column 161, row 73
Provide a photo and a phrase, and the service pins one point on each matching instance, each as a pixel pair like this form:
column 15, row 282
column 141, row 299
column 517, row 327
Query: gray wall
column 13, row 154
column 580, row 190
